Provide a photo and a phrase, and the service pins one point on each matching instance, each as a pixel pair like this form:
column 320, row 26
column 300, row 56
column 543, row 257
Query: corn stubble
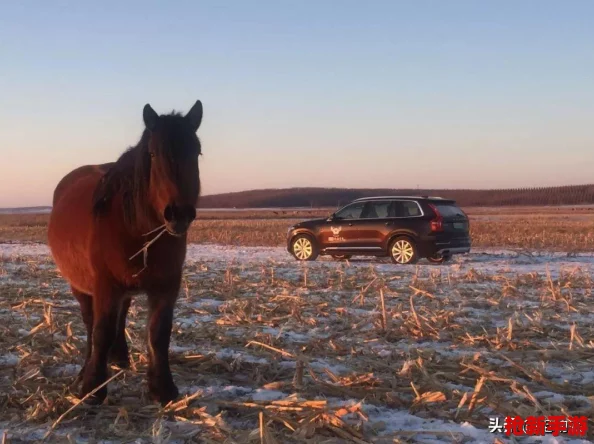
column 309, row 354
column 538, row 228
column 312, row 354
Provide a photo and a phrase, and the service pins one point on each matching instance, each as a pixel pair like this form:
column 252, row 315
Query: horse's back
column 71, row 224
column 83, row 172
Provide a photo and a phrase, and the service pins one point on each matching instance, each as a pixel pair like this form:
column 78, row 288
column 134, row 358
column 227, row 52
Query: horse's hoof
column 164, row 394
column 123, row 363
column 121, row 359
column 96, row 398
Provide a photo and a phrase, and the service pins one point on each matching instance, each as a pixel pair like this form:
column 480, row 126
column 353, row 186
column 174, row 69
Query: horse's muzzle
column 178, row 218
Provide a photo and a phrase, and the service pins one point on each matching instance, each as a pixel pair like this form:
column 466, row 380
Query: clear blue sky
column 305, row 93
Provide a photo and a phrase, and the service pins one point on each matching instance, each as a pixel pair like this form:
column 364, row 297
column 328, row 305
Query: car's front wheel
column 403, row 251
column 303, row 248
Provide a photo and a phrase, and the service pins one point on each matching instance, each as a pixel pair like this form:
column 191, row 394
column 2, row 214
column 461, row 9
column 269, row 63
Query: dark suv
column 403, row 228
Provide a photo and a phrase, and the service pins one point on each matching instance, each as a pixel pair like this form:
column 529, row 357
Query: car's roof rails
column 398, row 197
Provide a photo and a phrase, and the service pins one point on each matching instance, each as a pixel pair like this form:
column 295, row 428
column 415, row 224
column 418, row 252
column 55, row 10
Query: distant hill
column 23, row 210
column 334, row 197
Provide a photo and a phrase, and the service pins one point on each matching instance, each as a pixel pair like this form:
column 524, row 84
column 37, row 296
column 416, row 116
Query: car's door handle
column 350, row 225
column 388, row 224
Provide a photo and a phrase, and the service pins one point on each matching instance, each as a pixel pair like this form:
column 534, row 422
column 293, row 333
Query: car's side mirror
column 331, row 217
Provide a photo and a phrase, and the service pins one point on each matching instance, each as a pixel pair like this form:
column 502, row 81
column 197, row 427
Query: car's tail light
column 437, row 222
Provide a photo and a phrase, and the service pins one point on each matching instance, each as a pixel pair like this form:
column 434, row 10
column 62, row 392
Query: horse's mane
column 130, row 176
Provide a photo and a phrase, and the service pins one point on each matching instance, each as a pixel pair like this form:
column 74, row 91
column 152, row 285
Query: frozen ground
column 492, row 334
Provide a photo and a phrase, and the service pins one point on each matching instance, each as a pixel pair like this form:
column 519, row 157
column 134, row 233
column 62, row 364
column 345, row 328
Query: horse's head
column 173, row 149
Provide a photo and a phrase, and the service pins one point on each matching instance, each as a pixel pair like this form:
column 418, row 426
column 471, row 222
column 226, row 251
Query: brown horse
column 102, row 215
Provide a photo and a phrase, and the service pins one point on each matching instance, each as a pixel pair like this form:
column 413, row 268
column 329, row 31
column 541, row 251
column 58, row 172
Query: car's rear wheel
column 342, row 257
column 304, row 248
column 403, row 251
column 438, row 259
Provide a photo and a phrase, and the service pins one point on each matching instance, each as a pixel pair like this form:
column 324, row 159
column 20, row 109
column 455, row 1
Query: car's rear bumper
column 453, row 250
column 448, row 247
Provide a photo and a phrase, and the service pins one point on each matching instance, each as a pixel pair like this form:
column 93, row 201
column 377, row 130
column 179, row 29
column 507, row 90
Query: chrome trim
column 400, row 197
column 352, row 248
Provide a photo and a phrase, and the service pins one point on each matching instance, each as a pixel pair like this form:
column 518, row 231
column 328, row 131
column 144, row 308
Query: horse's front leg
column 106, row 304
column 118, row 353
column 160, row 381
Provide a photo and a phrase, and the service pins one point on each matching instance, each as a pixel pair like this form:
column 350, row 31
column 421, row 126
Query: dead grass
column 545, row 228
column 269, row 351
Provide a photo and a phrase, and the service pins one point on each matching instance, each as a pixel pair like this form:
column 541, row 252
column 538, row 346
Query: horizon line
column 432, row 190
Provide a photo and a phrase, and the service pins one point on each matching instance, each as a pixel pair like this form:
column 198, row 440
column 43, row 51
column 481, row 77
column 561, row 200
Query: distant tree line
column 335, row 197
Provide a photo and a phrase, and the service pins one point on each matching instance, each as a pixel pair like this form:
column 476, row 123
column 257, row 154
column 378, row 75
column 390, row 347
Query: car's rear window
column 449, row 210
column 404, row 208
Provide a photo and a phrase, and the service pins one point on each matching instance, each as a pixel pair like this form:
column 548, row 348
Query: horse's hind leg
column 106, row 304
column 86, row 310
column 118, row 353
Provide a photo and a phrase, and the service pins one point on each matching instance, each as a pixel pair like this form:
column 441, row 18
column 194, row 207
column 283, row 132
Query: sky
column 429, row 94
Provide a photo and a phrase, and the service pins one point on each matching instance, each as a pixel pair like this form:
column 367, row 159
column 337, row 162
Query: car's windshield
column 352, row 211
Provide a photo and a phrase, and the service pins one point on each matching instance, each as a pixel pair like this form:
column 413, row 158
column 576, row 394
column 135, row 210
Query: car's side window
column 376, row 210
column 412, row 209
column 405, row 208
column 351, row 212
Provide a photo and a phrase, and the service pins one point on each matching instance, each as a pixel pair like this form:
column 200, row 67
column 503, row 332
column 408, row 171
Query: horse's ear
column 194, row 116
column 150, row 117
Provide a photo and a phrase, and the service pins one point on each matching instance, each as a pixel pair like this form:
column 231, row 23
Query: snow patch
column 9, row 360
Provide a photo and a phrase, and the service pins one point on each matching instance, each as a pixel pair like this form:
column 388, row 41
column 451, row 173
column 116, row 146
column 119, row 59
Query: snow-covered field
column 494, row 333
